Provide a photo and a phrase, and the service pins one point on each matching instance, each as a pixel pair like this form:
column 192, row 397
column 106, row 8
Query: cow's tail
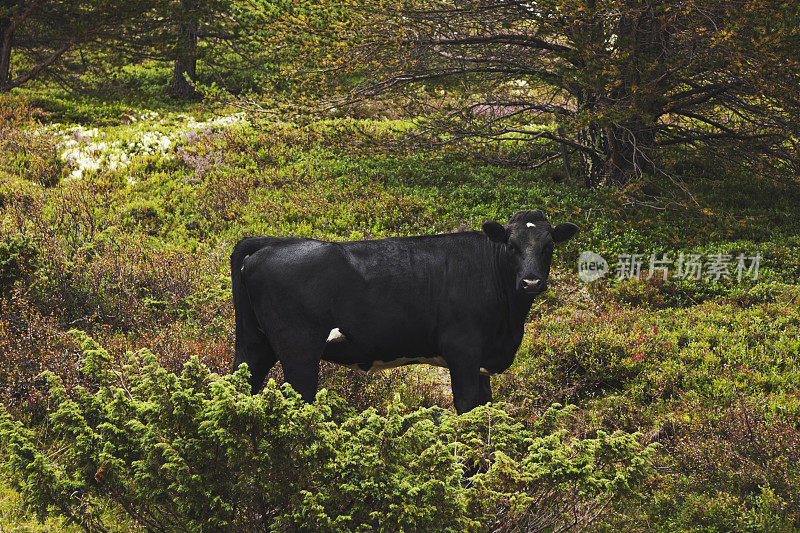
column 243, row 248
column 244, row 315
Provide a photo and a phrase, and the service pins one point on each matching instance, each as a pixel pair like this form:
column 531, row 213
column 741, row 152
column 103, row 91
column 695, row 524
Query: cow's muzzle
column 533, row 286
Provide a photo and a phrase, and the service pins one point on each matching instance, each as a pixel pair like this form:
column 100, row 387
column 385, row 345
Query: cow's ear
column 564, row 232
column 495, row 231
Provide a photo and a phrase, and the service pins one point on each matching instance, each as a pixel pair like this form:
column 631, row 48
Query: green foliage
column 18, row 257
column 716, row 382
column 197, row 451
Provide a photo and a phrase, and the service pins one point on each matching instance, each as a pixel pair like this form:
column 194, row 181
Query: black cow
column 457, row 300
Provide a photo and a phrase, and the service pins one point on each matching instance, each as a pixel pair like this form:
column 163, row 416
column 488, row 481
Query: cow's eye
column 514, row 248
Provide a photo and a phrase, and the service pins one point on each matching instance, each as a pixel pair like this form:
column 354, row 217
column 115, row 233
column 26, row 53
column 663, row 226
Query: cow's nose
column 533, row 285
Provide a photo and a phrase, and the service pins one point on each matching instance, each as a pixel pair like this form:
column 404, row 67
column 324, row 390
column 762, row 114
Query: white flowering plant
column 148, row 134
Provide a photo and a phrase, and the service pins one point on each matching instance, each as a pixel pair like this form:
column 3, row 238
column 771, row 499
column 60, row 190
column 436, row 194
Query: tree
column 222, row 35
column 614, row 80
column 185, row 70
column 5, row 40
column 48, row 37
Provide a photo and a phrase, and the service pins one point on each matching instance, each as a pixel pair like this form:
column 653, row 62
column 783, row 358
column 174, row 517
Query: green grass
column 14, row 519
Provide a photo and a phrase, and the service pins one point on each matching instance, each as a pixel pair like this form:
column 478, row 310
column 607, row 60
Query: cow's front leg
column 465, row 380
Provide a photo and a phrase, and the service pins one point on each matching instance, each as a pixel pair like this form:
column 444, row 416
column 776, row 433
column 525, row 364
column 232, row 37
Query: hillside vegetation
column 632, row 404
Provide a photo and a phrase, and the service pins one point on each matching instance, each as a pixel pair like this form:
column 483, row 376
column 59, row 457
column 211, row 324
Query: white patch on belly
column 336, row 336
column 378, row 366
column 485, row 372
column 531, row 225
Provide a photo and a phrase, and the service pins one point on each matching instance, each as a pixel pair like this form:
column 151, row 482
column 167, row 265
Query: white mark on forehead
column 531, row 225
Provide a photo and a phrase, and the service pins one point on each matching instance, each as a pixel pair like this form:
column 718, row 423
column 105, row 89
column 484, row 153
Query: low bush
column 18, row 256
column 30, row 343
column 196, row 451
column 26, row 150
column 737, row 469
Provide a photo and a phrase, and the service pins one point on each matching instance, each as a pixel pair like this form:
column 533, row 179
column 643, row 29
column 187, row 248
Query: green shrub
column 744, row 470
column 197, row 452
column 18, row 255
column 27, row 150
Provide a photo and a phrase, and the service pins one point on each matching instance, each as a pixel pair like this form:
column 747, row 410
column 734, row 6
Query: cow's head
column 528, row 239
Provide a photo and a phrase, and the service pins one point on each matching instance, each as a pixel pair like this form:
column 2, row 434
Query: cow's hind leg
column 253, row 348
column 484, row 390
column 299, row 353
column 252, row 345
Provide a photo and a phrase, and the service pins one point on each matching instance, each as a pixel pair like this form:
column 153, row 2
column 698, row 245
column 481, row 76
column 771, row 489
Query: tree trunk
column 618, row 153
column 186, row 52
column 593, row 138
column 6, row 42
column 618, row 150
column 565, row 156
column 630, row 140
